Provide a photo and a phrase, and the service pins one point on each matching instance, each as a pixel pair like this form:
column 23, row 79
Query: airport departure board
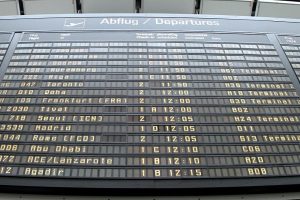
column 148, row 107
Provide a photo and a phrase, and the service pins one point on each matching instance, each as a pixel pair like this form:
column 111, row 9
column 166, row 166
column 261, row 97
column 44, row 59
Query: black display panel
column 113, row 109
column 291, row 46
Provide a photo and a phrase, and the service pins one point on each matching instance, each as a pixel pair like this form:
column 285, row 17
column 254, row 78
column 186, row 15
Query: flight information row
column 112, row 44
column 146, row 118
column 128, row 53
column 145, row 65
column 144, row 172
column 89, row 138
column 147, row 129
column 121, row 101
column 144, row 84
column 146, row 77
column 151, row 149
column 213, row 58
column 143, row 92
column 126, row 70
column 148, row 110
column 149, row 160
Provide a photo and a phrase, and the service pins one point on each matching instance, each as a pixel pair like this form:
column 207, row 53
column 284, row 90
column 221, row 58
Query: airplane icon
column 76, row 23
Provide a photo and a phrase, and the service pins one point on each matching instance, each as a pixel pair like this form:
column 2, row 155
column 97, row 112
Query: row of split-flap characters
column 265, row 8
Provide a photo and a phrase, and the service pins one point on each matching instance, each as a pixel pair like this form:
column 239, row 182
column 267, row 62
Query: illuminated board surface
column 110, row 102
